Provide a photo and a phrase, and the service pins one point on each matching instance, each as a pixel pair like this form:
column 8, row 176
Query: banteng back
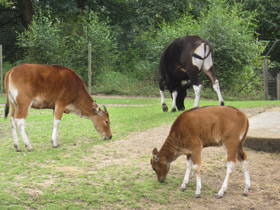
column 50, row 87
column 203, row 127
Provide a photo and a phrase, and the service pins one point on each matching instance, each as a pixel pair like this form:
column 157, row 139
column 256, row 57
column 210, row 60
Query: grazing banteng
column 203, row 127
column 180, row 64
column 50, row 87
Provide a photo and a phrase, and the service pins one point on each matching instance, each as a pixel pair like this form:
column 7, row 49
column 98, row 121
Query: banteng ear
column 96, row 108
column 155, row 154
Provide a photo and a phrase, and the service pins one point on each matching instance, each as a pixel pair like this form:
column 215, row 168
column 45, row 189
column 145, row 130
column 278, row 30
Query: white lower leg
column 245, row 168
column 216, row 87
column 187, row 175
column 55, row 133
column 197, row 90
column 162, row 97
column 174, row 96
column 198, row 181
column 163, row 104
column 14, row 130
column 20, row 125
column 230, row 167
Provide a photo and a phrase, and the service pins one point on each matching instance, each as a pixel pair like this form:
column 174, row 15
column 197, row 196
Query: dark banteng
column 180, row 64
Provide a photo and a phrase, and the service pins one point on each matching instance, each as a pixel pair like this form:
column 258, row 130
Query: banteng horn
column 105, row 109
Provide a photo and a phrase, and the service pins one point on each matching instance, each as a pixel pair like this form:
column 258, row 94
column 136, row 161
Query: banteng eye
column 107, row 122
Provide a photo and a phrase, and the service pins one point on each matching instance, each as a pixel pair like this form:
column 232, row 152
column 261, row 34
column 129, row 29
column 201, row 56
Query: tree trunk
column 26, row 12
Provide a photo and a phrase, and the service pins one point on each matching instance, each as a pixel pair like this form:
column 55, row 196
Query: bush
column 49, row 41
column 231, row 32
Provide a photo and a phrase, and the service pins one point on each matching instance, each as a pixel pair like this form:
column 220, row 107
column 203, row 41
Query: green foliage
column 231, row 32
column 44, row 41
column 50, row 41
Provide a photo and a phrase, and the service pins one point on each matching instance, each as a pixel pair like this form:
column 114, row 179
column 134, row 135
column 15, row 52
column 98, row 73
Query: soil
column 264, row 160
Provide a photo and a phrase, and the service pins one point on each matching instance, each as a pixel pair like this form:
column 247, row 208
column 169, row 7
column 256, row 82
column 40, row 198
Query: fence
column 271, row 70
column 89, row 69
column 271, row 73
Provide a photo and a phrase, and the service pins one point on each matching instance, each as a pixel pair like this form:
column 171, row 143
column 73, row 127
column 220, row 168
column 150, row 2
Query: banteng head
column 101, row 121
column 159, row 165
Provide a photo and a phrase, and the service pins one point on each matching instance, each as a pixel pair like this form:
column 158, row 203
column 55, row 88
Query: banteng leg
column 59, row 109
column 23, row 105
column 163, row 104
column 231, row 159
column 196, row 159
column 242, row 157
column 216, row 87
column 174, row 97
column 230, row 167
column 197, row 90
column 14, row 129
column 187, row 175
column 211, row 76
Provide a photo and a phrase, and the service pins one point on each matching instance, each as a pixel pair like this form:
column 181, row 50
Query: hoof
column 245, row 194
column 29, row 147
column 164, row 107
column 30, row 150
column 182, row 109
column 197, row 195
column 55, row 146
column 17, row 148
column 222, row 103
column 173, row 110
column 218, row 196
column 182, row 189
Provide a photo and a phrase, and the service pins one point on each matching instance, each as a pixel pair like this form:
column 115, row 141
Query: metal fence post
column 265, row 79
column 278, row 86
column 89, row 68
column 1, row 71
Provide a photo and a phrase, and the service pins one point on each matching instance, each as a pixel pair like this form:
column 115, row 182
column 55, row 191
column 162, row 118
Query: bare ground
column 264, row 171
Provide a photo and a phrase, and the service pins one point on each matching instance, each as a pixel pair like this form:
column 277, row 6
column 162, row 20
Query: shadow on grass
column 263, row 144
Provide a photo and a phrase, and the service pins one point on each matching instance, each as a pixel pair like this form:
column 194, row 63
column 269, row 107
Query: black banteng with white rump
column 204, row 127
column 180, row 64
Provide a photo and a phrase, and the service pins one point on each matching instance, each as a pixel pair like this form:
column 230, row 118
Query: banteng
column 203, row 127
column 50, row 87
column 180, row 64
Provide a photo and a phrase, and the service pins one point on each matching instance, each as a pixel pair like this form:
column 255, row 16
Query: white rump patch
column 207, row 63
column 199, row 51
column 13, row 93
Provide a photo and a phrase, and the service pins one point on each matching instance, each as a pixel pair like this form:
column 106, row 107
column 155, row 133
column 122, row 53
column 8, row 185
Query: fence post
column 1, row 71
column 89, row 68
column 278, row 86
column 265, row 79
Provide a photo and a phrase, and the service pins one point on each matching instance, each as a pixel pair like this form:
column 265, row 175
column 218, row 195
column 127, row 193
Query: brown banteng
column 50, row 87
column 180, row 64
column 203, row 127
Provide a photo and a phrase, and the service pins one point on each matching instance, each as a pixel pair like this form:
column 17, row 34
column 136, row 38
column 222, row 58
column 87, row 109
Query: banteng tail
column 7, row 108
column 7, row 95
column 241, row 154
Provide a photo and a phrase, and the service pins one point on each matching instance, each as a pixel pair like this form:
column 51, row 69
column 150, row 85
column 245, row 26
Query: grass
column 74, row 176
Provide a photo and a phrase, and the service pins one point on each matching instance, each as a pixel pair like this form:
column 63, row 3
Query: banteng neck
column 170, row 150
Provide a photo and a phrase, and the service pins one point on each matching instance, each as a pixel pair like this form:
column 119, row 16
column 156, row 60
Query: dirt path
column 264, row 171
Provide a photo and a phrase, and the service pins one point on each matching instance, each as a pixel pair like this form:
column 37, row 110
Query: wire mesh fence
column 118, row 65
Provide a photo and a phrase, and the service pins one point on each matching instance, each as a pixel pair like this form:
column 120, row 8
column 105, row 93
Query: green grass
column 73, row 176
